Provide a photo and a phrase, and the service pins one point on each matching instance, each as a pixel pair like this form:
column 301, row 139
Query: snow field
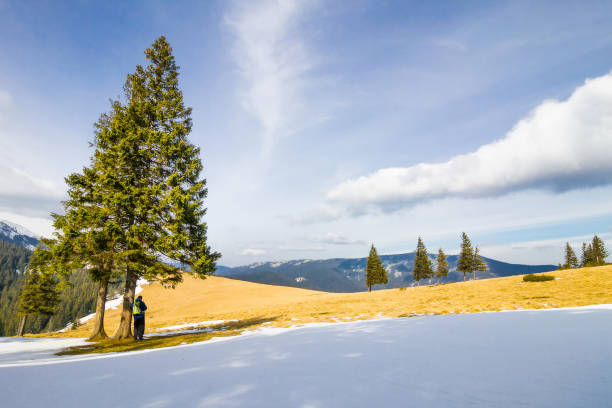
column 552, row 358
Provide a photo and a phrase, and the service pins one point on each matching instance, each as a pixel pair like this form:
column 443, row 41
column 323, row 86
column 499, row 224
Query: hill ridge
column 348, row 274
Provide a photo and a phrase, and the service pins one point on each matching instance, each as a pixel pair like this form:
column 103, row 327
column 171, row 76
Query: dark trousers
column 139, row 326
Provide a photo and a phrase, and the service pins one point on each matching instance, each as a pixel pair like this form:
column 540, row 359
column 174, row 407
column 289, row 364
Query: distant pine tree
column 571, row 261
column 598, row 251
column 479, row 263
column 465, row 263
column 375, row 271
column 422, row 264
column 442, row 265
column 586, row 258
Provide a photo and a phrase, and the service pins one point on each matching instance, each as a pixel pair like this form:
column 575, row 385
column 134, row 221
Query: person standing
column 138, row 311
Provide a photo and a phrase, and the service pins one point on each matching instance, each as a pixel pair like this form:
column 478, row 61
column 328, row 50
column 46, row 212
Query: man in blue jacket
column 138, row 311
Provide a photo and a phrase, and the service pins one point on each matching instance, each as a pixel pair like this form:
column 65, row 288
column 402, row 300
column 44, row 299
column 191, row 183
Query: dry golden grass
column 218, row 298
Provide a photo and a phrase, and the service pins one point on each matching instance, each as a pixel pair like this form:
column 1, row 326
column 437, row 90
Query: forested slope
column 77, row 301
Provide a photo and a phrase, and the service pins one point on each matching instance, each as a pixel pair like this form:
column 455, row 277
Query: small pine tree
column 571, row 261
column 598, row 251
column 375, row 271
column 465, row 263
column 422, row 264
column 40, row 294
column 586, row 259
column 479, row 263
column 442, row 265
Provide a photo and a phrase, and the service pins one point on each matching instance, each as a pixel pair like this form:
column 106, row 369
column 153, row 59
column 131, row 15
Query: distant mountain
column 19, row 235
column 348, row 275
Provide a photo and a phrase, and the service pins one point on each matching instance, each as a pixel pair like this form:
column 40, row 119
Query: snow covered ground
column 554, row 358
column 19, row 350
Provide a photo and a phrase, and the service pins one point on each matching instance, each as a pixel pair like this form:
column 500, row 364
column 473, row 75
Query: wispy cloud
column 253, row 251
column 273, row 59
column 451, row 44
column 321, row 213
column 336, row 238
column 22, row 193
column 561, row 146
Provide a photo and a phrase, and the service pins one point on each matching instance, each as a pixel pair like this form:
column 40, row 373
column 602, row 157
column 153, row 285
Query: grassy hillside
column 252, row 304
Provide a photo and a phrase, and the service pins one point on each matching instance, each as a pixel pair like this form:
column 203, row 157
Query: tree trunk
column 464, row 276
column 98, row 330
column 438, row 280
column 22, row 326
column 124, row 331
column 369, row 288
column 474, row 275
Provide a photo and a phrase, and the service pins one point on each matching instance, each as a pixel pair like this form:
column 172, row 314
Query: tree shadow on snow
column 226, row 329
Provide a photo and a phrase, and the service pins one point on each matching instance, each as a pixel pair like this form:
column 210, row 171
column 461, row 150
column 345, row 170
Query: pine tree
column 465, row 263
column 479, row 263
column 40, row 294
column 375, row 271
column 571, row 261
column 150, row 173
column 442, row 265
column 422, row 264
column 587, row 258
column 598, row 251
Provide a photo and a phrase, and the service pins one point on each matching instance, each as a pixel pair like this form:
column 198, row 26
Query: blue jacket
column 142, row 307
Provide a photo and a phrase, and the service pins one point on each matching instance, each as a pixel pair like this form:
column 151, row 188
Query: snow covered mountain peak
column 19, row 229
column 18, row 234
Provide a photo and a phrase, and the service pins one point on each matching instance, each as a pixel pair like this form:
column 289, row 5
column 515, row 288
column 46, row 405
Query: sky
column 327, row 126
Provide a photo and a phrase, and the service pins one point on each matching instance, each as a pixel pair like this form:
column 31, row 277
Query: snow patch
column 192, row 325
column 18, row 350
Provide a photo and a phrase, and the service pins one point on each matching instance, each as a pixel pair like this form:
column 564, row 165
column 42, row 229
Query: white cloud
column 273, row 59
column 22, row 193
column 561, row 146
column 253, row 251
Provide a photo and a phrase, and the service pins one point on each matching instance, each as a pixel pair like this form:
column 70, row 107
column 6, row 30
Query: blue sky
column 325, row 126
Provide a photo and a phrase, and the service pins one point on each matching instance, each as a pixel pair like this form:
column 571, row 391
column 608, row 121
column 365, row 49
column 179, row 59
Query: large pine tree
column 465, row 263
column 150, row 174
column 441, row 265
column 422, row 264
column 375, row 271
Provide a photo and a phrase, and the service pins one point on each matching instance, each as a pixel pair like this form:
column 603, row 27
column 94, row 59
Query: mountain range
column 348, row 275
